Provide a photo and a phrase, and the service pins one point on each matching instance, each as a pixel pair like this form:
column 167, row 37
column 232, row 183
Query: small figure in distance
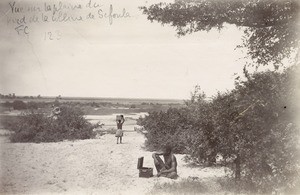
column 119, row 132
column 169, row 167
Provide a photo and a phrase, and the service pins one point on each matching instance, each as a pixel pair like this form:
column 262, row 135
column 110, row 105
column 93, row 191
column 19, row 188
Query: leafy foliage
column 8, row 122
column 165, row 128
column 255, row 124
column 252, row 126
column 19, row 105
column 271, row 31
column 36, row 127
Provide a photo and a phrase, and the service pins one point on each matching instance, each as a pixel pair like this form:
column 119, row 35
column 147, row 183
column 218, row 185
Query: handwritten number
column 58, row 35
column 52, row 35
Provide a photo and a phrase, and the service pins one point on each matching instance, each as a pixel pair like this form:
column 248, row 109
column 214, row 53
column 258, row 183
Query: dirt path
column 96, row 166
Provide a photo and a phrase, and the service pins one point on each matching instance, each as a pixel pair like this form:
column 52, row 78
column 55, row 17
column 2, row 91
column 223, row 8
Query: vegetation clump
column 252, row 127
column 70, row 124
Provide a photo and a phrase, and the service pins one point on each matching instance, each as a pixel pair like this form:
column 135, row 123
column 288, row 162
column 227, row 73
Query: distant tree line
column 21, row 105
column 13, row 96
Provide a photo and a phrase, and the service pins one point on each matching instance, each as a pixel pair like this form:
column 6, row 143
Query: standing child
column 119, row 133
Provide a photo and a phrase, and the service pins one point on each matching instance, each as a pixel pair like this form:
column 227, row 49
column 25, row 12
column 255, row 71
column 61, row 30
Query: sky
column 123, row 58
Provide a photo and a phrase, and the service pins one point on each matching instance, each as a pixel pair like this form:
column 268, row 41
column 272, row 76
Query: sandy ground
column 95, row 166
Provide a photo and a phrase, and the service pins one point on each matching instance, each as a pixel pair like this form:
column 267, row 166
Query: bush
column 32, row 105
column 8, row 121
column 19, row 105
column 263, row 133
column 253, row 126
column 165, row 128
column 36, row 127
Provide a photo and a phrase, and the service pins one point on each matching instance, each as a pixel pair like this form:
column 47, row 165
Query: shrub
column 263, row 134
column 8, row 121
column 19, row 105
column 165, row 127
column 200, row 137
column 36, row 127
column 32, row 105
column 254, row 126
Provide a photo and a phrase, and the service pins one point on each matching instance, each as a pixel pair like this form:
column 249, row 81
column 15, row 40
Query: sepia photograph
column 150, row 97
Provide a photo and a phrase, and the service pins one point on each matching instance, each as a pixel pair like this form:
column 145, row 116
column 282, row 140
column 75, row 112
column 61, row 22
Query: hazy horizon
column 91, row 97
column 127, row 58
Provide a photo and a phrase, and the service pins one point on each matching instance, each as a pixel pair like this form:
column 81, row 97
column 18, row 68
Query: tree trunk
column 237, row 168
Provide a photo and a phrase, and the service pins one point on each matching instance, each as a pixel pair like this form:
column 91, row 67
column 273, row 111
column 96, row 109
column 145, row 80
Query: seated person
column 169, row 167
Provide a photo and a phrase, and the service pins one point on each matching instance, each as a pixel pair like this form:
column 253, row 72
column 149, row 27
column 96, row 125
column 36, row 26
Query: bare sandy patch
column 95, row 166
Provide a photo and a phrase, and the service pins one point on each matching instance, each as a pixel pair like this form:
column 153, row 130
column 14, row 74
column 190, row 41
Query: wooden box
column 145, row 172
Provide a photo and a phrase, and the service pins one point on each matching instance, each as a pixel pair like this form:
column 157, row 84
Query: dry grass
column 195, row 186
column 183, row 187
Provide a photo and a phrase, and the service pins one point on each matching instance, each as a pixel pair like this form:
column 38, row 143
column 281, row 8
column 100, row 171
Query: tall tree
column 271, row 27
